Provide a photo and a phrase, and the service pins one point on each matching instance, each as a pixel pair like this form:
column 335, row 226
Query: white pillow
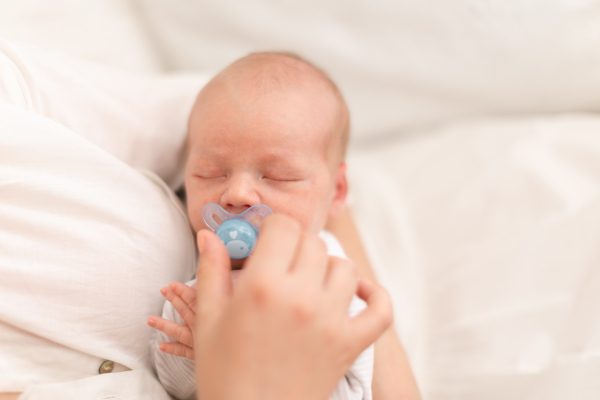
column 86, row 244
column 141, row 120
column 487, row 234
column 110, row 32
column 403, row 64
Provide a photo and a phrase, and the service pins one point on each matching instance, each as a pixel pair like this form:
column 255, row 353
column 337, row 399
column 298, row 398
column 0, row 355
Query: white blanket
column 487, row 235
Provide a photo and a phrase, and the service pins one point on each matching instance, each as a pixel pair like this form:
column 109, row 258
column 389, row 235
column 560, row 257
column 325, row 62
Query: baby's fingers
column 187, row 312
column 177, row 349
column 187, row 293
column 181, row 333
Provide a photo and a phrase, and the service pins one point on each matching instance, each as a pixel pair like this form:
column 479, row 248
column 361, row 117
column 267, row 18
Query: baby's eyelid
column 209, row 176
column 282, row 179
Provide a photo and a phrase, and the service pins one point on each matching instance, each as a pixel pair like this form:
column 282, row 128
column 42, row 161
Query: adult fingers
column 186, row 312
column 341, row 282
column 276, row 246
column 214, row 274
column 177, row 349
column 181, row 333
column 375, row 319
column 311, row 261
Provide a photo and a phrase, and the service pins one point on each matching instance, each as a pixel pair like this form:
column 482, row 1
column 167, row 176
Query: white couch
column 474, row 163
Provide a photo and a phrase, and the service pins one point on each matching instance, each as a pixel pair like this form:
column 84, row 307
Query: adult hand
column 285, row 332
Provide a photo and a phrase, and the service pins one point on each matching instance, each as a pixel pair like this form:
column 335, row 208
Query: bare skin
column 249, row 145
column 392, row 376
column 284, row 333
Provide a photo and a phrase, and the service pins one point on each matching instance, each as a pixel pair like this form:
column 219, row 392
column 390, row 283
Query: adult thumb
column 214, row 274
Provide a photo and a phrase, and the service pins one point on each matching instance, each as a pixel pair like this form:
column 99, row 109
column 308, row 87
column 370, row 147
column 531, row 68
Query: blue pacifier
column 237, row 231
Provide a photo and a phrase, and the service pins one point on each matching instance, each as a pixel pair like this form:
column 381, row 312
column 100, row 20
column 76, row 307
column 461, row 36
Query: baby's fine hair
column 282, row 69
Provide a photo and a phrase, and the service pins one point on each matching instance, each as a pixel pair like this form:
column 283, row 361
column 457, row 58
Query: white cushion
column 405, row 64
column 87, row 243
column 110, row 32
column 486, row 233
column 141, row 120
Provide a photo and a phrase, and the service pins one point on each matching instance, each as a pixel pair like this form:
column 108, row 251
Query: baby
column 269, row 129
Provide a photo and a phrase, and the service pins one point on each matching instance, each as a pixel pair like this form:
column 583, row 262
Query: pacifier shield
column 237, row 231
column 239, row 237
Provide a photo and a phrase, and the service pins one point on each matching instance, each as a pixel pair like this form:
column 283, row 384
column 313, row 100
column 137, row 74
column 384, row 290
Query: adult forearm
column 9, row 396
column 392, row 375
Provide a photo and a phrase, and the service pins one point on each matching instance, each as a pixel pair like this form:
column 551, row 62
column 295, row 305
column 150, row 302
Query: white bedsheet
column 487, row 234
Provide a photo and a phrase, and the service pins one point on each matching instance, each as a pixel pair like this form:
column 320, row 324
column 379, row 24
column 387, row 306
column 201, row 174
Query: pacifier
column 237, row 231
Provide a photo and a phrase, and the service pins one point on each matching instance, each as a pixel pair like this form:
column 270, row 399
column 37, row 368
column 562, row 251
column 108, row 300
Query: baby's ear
column 340, row 191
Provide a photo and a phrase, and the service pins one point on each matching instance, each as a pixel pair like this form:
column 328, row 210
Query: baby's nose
column 240, row 194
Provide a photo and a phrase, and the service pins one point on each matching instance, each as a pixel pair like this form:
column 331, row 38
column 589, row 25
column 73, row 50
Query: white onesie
column 177, row 374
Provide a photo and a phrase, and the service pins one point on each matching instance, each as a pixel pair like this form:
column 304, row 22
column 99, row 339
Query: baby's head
column 269, row 129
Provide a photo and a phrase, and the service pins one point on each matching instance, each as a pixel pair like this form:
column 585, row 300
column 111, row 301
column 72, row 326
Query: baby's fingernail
column 163, row 291
column 162, row 347
column 151, row 322
column 201, row 243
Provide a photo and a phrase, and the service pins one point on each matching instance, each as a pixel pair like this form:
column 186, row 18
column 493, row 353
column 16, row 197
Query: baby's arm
column 176, row 373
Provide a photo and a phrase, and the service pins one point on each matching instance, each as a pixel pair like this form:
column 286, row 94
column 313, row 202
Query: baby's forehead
column 285, row 79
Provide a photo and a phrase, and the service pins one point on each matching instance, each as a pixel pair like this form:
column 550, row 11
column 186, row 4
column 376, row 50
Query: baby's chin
column 235, row 275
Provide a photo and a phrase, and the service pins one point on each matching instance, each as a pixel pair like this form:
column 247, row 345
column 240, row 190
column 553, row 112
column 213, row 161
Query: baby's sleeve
column 356, row 383
column 176, row 374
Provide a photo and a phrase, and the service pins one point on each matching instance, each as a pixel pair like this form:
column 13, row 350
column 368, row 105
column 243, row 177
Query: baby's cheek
column 308, row 215
column 195, row 216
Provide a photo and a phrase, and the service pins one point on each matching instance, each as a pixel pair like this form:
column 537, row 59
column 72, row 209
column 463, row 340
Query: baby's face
column 272, row 149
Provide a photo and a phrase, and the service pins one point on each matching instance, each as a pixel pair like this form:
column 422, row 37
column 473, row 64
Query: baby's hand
column 183, row 299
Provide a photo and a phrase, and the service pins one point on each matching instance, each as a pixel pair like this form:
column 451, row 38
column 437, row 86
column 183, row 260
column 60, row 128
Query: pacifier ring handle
column 208, row 213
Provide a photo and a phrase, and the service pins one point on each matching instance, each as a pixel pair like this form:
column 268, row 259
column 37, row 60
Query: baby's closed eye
column 285, row 174
column 210, row 174
column 283, row 178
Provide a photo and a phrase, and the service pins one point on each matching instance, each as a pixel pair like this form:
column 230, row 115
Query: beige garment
column 84, row 237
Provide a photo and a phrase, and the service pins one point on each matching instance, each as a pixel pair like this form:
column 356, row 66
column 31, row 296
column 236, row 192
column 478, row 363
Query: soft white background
column 474, row 161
